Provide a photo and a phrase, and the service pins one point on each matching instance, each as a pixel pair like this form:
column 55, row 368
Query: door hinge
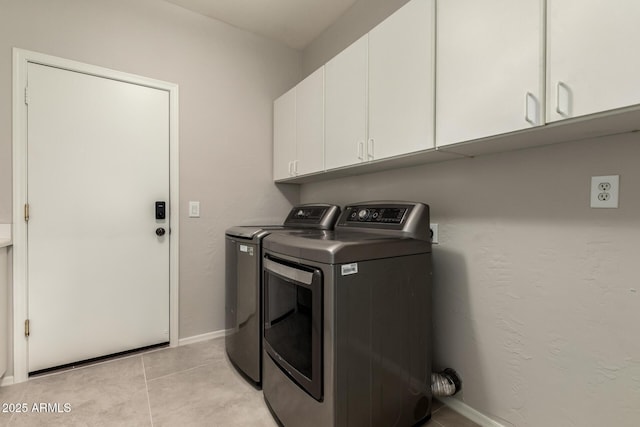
column 26, row 212
column 26, row 95
column 26, row 328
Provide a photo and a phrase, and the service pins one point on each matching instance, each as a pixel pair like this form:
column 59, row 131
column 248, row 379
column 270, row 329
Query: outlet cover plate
column 604, row 191
column 434, row 233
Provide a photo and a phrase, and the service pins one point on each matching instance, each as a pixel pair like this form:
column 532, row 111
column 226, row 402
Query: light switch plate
column 194, row 209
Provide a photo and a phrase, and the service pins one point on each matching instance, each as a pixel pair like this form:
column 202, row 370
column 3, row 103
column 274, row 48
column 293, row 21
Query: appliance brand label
column 247, row 249
column 348, row 269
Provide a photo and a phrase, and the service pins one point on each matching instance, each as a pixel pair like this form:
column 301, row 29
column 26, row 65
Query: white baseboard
column 5, row 381
column 466, row 410
column 204, row 337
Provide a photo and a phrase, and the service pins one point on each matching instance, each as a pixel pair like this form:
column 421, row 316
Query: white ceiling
column 293, row 22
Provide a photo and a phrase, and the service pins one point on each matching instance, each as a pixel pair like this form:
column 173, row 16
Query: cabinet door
column 310, row 123
column 489, row 67
column 401, row 81
column 284, row 135
column 346, row 106
column 592, row 56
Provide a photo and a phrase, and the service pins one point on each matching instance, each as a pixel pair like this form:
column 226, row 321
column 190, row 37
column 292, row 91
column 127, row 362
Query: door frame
column 21, row 59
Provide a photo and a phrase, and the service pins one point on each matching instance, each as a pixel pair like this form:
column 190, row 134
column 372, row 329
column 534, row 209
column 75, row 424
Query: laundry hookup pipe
column 445, row 383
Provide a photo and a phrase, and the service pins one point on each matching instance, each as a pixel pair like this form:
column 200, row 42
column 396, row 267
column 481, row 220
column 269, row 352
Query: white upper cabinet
column 401, row 81
column 284, row 135
column 298, row 129
column 346, row 106
column 310, row 124
column 592, row 56
column 490, row 68
column 502, row 66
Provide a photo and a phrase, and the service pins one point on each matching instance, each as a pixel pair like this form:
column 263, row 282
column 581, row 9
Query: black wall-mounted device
column 161, row 210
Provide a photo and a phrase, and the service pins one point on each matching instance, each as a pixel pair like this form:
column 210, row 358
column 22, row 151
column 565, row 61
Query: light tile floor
column 192, row 385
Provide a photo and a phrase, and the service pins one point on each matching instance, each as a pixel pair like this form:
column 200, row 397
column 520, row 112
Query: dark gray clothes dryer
column 347, row 320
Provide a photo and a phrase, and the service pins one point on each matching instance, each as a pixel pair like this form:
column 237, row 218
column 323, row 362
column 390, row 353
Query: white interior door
column 98, row 160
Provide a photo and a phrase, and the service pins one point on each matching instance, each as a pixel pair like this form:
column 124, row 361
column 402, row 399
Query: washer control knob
column 363, row 214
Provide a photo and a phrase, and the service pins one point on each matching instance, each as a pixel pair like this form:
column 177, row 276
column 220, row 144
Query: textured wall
column 228, row 79
column 536, row 295
column 355, row 22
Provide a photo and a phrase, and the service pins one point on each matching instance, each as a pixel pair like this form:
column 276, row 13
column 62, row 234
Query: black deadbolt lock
column 160, row 210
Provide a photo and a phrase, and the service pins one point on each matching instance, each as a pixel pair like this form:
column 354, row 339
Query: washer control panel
column 394, row 218
column 369, row 214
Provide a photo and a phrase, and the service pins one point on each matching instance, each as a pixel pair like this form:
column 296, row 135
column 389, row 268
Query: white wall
column 536, row 295
column 228, row 80
column 355, row 22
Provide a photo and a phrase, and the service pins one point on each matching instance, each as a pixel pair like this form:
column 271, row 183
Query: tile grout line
column 146, row 386
column 179, row 372
column 434, row 422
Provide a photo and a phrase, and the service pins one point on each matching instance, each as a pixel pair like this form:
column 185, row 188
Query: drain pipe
column 445, row 383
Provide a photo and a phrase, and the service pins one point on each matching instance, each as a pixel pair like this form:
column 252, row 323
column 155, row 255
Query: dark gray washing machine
column 347, row 320
column 243, row 272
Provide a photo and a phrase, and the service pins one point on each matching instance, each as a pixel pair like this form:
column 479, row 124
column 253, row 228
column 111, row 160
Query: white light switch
column 194, row 209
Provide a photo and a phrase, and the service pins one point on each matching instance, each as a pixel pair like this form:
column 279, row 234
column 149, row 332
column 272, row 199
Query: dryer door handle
column 300, row 276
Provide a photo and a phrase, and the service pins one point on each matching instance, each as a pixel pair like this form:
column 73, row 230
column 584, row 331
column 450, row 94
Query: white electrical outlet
column 434, row 233
column 604, row 191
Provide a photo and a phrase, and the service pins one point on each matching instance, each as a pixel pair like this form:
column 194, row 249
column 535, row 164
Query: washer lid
column 319, row 216
column 252, row 231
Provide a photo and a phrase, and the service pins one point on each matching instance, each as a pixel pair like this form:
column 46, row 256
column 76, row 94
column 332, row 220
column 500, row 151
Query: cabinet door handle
column 563, row 99
column 531, row 109
column 295, row 168
column 290, row 168
column 360, row 150
column 370, row 149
